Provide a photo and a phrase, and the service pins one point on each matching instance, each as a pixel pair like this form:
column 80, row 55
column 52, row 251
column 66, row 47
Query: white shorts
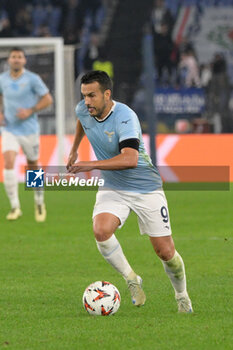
column 28, row 143
column 151, row 209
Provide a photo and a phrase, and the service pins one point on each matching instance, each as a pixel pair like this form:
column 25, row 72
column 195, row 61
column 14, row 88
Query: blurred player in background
column 23, row 95
column 131, row 183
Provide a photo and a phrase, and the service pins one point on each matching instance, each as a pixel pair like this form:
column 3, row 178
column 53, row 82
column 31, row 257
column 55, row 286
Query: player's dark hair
column 17, row 48
column 100, row 77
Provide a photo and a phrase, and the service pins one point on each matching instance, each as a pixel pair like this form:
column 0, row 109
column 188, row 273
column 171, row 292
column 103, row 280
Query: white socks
column 176, row 273
column 113, row 254
column 11, row 187
column 39, row 196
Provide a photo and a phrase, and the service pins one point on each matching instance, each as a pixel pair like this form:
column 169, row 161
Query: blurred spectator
column 219, row 93
column 73, row 18
column 163, row 47
column 219, row 66
column 23, row 23
column 161, row 15
column 12, row 8
column 103, row 63
column 94, row 9
column 92, row 52
column 51, row 18
column 189, row 70
column 96, row 58
column 5, row 25
column 55, row 18
column 39, row 18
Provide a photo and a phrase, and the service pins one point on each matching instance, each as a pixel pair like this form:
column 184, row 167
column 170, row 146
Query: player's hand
column 2, row 119
column 24, row 113
column 80, row 167
column 71, row 159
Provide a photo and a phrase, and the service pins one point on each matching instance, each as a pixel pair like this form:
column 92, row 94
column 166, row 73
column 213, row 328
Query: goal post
column 58, row 47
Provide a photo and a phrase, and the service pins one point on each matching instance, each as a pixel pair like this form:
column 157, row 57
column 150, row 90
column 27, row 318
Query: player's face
column 16, row 60
column 96, row 100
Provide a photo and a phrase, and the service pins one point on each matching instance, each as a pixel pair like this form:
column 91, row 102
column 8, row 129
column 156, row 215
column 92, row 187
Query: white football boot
column 134, row 283
column 40, row 212
column 184, row 303
column 14, row 214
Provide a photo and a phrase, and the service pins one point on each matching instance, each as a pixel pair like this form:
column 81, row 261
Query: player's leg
column 109, row 214
column 30, row 147
column 104, row 226
column 154, row 220
column 11, row 185
column 40, row 208
column 174, row 267
column 10, row 148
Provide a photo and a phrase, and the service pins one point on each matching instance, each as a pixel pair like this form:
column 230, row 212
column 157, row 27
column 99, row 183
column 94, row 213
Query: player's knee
column 165, row 253
column 9, row 163
column 32, row 164
column 101, row 232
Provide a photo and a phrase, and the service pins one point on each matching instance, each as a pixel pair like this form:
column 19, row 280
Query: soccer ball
column 101, row 298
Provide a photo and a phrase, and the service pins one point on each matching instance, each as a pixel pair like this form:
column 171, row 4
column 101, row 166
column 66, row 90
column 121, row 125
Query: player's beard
column 99, row 112
column 16, row 69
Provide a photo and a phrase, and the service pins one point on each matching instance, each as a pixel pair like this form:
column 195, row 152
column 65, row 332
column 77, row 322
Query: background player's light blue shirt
column 23, row 92
column 105, row 136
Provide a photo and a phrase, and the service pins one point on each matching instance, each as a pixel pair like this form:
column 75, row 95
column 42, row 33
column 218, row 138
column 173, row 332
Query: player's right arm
column 79, row 133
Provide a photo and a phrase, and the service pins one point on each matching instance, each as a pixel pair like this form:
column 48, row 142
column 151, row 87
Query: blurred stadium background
column 171, row 61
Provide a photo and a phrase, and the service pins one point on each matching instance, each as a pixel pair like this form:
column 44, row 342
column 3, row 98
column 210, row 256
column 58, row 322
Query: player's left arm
column 44, row 102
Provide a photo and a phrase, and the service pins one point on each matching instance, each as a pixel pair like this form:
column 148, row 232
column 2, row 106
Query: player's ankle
column 179, row 295
column 131, row 275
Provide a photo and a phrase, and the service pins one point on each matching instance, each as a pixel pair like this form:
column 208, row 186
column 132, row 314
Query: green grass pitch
column 44, row 269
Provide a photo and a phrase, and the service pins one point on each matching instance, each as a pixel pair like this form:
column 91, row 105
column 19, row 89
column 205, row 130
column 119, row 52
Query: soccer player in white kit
column 23, row 95
column 132, row 182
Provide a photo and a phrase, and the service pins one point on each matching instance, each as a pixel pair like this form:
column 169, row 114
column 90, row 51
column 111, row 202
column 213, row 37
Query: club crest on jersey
column 110, row 135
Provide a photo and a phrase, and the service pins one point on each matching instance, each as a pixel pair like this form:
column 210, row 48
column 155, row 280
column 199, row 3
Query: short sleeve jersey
column 105, row 136
column 23, row 92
